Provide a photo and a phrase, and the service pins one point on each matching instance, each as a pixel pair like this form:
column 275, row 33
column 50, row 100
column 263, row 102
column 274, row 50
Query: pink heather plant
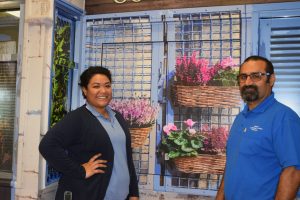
column 216, row 138
column 193, row 71
column 137, row 112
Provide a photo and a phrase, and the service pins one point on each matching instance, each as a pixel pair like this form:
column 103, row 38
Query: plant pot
column 207, row 96
column 203, row 163
column 139, row 136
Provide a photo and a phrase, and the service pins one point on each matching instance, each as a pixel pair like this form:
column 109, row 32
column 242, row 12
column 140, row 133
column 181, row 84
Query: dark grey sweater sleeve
column 53, row 146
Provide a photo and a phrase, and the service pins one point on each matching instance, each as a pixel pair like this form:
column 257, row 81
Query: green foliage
column 60, row 71
column 190, row 142
column 225, row 77
column 181, row 143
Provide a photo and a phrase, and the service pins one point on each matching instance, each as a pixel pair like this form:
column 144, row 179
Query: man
column 263, row 150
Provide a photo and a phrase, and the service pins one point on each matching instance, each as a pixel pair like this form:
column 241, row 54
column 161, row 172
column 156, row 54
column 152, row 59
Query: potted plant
column 195, row 151
column 140, row 115
column 197, row 84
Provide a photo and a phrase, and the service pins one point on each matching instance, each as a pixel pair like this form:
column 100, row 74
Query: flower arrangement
column 189, row 142
column 193, row 71
column 139, row 112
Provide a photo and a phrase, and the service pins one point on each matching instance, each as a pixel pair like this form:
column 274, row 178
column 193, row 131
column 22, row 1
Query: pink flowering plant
column 197, row 71
column 215, row 139
column 138, row 112
column 190, row 142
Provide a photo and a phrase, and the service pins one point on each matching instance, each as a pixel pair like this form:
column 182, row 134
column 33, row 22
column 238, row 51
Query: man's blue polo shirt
column 262, row 142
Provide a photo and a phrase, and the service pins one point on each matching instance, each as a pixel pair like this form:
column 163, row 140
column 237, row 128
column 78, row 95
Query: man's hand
column 133, row 198
column 92, row 167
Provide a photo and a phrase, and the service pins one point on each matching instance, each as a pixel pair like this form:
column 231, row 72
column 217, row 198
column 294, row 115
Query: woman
column 90, row 146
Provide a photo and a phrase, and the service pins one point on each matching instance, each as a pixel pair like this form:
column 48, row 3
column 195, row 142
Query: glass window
column 7, row 113
column 9, row 31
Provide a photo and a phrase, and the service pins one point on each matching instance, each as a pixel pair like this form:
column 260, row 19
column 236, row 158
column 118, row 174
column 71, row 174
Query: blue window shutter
column 280, row 42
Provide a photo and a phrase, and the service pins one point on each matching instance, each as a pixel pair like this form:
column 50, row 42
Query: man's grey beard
column 249, row 93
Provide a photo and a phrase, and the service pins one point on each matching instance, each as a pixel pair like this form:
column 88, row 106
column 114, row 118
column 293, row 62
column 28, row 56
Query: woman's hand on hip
column 93, row 166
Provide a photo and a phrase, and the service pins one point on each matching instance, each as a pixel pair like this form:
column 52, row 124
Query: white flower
column 192, row 131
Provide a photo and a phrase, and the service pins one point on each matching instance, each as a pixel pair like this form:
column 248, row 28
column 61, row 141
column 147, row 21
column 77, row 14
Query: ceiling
column 10, row 5
column 5, row 18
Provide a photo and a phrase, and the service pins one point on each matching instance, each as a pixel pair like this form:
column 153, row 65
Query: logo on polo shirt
column 256, row 128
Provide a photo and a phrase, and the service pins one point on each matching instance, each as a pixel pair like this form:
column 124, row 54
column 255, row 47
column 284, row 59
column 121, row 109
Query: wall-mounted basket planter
column 139, row 136
column 207, row 96
column 203, row 163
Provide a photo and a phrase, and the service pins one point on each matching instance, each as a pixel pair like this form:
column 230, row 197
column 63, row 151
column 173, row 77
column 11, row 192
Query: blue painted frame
column 69, row 14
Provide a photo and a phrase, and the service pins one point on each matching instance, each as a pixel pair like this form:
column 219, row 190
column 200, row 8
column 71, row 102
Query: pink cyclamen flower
column 189, row 122
column 169, row 127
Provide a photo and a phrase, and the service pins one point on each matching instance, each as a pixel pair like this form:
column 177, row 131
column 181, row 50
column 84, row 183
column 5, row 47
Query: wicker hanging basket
column 139, row 136
column 207, row 96
column 203, row 163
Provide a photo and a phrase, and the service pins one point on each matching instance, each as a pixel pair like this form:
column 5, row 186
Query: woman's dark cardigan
column 72, row 142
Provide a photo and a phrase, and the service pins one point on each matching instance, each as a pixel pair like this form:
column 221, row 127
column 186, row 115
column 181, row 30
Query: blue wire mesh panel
column 123, row 45
column 213, row 36
column 130, row 64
